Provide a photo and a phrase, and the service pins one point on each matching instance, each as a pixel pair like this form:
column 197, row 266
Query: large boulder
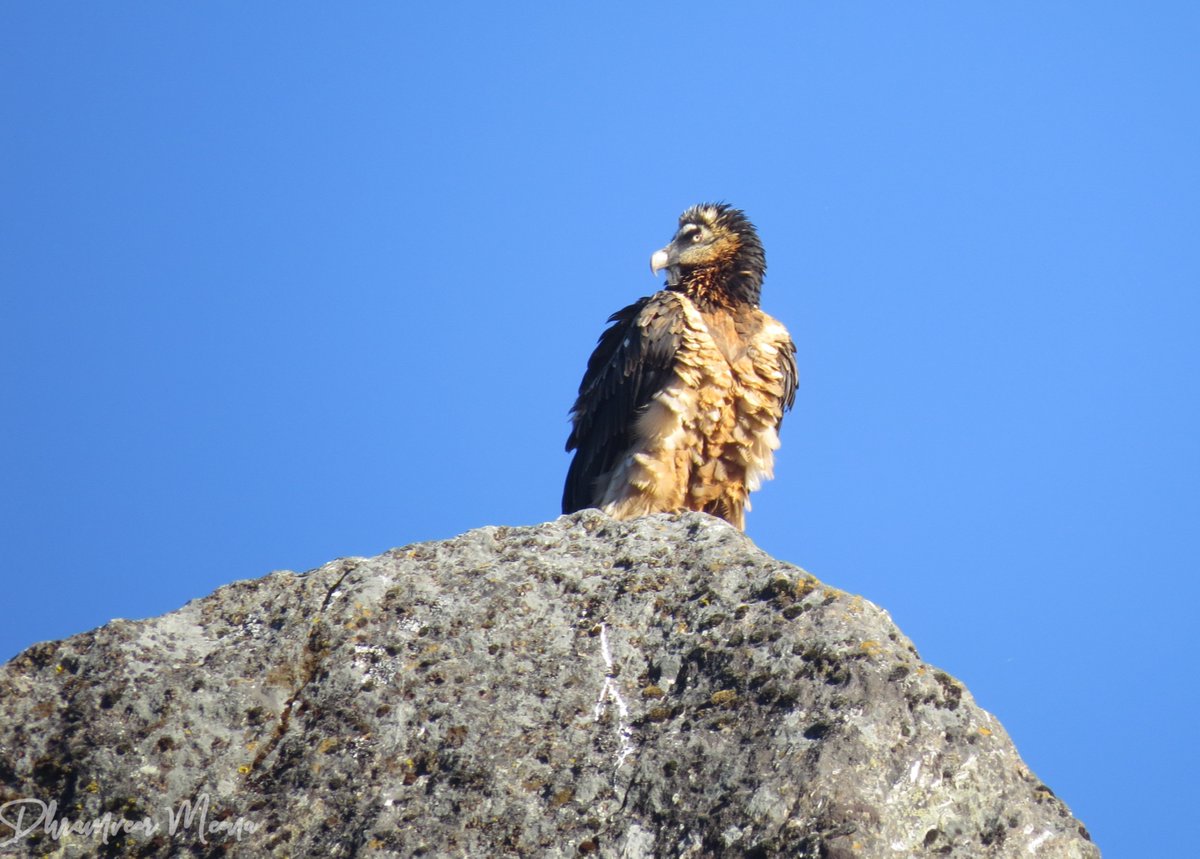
column 658, row 687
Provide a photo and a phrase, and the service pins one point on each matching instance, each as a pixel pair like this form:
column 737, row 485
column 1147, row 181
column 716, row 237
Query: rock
column 584, row 687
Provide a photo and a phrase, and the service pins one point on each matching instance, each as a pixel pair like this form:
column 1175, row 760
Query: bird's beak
column 667, row 258
column 663, row 259
column 659, row 260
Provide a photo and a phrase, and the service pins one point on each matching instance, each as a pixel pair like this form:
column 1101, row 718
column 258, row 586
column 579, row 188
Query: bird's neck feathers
column 731, row 285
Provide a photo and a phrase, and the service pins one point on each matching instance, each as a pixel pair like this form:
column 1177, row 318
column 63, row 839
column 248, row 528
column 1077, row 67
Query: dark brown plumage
column 681, row 402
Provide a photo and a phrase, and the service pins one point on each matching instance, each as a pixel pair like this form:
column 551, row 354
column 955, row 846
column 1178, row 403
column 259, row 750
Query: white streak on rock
column 1033, row 845
column 610, row 690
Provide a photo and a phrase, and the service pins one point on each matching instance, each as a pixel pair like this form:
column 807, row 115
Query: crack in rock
column 314, row 652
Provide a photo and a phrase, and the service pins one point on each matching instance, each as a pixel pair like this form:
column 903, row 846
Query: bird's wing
column 632, row 361
column 787, row 366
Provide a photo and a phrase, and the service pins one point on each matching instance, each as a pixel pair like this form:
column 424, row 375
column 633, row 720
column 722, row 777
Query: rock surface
column 657, row 687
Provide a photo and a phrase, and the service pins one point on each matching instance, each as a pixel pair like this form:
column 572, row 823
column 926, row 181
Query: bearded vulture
column 681, row 403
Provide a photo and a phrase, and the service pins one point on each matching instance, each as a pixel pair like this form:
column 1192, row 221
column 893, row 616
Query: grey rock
column 658, row 687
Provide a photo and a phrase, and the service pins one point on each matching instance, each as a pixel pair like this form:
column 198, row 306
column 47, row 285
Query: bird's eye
column 697, row 236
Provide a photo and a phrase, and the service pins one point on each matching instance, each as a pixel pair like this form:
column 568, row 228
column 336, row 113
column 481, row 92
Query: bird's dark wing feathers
column 787, row 365
column 631, row 363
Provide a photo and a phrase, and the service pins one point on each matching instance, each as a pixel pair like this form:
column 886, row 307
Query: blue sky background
column 282, row 283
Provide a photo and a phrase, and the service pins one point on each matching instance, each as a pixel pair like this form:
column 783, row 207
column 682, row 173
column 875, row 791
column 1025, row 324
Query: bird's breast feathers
column 707, row 437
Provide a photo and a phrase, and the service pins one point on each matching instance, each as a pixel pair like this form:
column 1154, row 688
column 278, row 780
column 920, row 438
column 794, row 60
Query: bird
column 682, row 400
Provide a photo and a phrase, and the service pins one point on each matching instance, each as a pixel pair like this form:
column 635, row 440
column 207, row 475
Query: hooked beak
column 659, row 260
column 667, row 258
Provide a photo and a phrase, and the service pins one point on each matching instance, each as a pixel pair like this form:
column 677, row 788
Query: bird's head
column 716, row 251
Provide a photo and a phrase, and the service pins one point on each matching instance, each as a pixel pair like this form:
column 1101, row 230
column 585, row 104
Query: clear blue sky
column 287, row 282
